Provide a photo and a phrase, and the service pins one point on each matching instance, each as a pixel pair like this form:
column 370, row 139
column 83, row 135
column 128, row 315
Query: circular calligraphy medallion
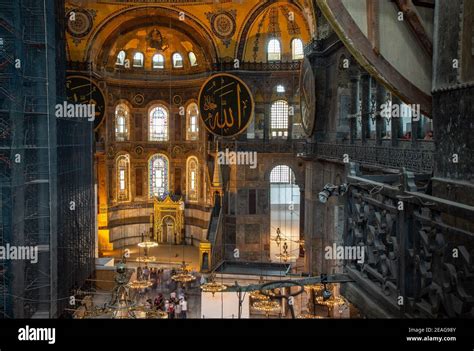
column 225, row 105
column 82, row 91
column 307, row 97
column 79, row 23
column 223, row 25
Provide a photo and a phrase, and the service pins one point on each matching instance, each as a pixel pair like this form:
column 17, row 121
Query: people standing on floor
column 184, row 308
column 167, row 308
column 178, row 310
column 171, row 313
column 139, row 273
column 146, row 273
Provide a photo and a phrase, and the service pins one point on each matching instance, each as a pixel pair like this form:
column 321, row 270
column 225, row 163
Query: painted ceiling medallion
column 307, row 97
column 79, row 23
column 223, row 24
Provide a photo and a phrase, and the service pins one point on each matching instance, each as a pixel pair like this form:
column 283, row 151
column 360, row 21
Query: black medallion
column 225, row 105
column 307, row 97
column 81, row 90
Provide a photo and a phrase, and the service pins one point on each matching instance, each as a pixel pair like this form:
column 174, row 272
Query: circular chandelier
column 318, row 286
column 148, row 244
column 212, row 286
column 146, row 259
column 183, row 275
column 257, row 295
column 266, row 306
column 331, row 302
column 139, row 284
column 285, row 255
column 307, row 315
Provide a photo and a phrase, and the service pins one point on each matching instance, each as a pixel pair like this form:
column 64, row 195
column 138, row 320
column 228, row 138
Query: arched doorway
column 168, row 230
column 284, row 215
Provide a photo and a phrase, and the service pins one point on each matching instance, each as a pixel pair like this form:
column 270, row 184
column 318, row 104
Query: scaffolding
column 45, row 164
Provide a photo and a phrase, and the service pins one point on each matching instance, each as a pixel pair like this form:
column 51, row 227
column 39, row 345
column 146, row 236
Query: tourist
column 429, row 135
column 178, row 311
column 184, row 308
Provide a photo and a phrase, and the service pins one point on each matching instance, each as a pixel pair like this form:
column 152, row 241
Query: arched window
column 297, row 49
column 274, row 50
column 123, row 175
column 177, row 60
column 192, row 59
column 279, row 119
column 284, row 215
column 282, row 175
column 138, row 59
column 158, row 61
column 192, row 179
column 120, row 58
column 122, row 122
column 158, row 123
column 158, row 171
column 280, row 89
column 192, row 122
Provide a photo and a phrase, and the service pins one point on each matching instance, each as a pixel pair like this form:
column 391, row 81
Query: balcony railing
column 413, row 159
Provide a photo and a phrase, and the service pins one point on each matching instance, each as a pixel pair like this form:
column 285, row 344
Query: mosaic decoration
column 226, row 105
column 81, row 25
column 223, row 25
column 293, row 28
column 155, row 40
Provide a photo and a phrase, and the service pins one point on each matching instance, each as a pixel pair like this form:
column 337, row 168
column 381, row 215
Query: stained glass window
column 158, row 172
column 192, row 118
column 177, row 60
column 123, row 171
column 279, row 119
column 297, row 49
column 120, row 58
column 138, row 59
column 121, row 122
column 192, row 59
column 159, row 123
column 192, row 179
column 274, row 50
column 158, row 61
column 282, row 174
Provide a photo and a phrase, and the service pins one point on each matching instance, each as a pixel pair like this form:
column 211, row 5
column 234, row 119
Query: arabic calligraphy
column 226, row 105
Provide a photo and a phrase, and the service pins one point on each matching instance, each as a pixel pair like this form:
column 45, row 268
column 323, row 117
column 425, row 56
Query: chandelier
column 319, row 286
column 257, row 295
column 146, row 259
column 331, row 302
column 139, row 284
column 212, row 286
column 183, row 275
column 266, row 306
column 285, row 255
column 307, row 315
column 147, row 244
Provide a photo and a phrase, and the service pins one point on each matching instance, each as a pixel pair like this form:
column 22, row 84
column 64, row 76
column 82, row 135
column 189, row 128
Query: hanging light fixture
column 147, row 244
column 266, row 306
column 307, row 315
column 318, row 287
column 212, row 286
column 331, row 302
column 183, row 275
column 285, row 256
